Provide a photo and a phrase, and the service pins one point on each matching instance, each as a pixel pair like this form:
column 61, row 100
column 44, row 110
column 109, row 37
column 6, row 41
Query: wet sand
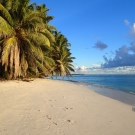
column 121, row 96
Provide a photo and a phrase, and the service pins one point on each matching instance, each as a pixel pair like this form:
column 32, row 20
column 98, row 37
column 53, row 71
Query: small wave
column 99, row 86
column 71, row 81
column 132, row 92
column 105, row 82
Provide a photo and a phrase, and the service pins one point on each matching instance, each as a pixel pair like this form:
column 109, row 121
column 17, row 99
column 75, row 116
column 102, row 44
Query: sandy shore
column 47, row 107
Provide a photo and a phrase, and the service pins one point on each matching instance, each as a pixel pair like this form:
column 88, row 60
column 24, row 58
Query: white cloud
column 81, row 68
column 96, row 65
column 127, row 22
column 134, row 27
column 132, row 31
column 117, row 70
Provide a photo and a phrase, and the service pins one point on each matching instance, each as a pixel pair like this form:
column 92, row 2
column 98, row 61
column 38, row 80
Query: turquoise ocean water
column 125, row 83
column 120, row 87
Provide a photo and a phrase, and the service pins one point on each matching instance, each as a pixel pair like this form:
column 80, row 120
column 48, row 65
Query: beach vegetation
column 62, row 56
column 29, row 45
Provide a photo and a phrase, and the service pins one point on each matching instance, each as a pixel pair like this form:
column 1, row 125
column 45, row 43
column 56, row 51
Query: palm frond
column 39, row 39
column 35, row 49
column 50, row 27
column 49, row 60
column 49, row 35
column 30, row 16
column 5, row 28
column 5, row 14
column 41, row 67
column 15, row 4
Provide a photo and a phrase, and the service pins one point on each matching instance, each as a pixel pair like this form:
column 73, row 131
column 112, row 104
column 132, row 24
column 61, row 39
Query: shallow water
column 119, row 87
column 124, row 83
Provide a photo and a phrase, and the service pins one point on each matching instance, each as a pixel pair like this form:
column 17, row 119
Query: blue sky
column 100, row 31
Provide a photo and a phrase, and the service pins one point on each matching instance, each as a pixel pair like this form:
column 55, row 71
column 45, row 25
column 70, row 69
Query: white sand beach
column 48, row 107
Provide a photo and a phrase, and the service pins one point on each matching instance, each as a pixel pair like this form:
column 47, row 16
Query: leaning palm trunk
column 16, row 62
column 63, row 73
column 11, row 62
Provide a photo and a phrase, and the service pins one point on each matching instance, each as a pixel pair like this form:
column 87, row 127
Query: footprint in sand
column 49, row 117
column 70, row 121
column 66, row 108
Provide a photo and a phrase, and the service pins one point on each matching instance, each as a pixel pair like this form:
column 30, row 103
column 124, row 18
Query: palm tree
column 24, row 38
column 62, row 56
column 64, row 65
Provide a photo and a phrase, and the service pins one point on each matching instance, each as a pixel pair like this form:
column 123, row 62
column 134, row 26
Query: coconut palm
column 62, row 56
column 63, row 64
column 24, row 38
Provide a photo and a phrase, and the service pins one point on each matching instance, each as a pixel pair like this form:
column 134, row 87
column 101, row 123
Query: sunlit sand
column 48, row 107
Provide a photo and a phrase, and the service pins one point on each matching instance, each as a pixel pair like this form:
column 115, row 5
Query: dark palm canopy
column 29, row 46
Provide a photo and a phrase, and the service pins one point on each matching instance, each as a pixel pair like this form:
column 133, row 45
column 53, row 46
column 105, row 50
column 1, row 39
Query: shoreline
column 129, row 90
column 52, row 107
column 122, row 96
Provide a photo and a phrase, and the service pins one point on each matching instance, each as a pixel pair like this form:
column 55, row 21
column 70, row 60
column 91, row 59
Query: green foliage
column 62, row 56
column 29, row 46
